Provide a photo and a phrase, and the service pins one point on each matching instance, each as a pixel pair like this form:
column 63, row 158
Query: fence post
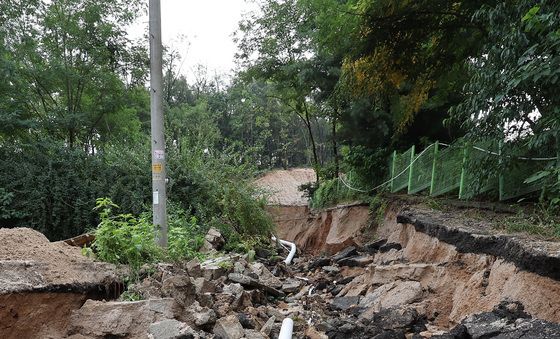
column 501, row 172
column 463, row 170
column 432, row 183
column 393, row 163
column 410, row 168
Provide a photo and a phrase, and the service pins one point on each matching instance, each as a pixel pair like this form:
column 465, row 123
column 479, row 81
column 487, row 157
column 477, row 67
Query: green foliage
column 514, row 79
column 123, row 238
column 185, row 235
column 377, row 209
column 332, row 192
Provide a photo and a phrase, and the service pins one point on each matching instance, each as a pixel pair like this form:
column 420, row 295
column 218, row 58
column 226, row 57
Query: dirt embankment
column 42, row 282
column 460, row 266
column 281, row 186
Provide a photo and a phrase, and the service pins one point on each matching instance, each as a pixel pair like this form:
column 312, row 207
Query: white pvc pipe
column 292, row 249
column 286, row 329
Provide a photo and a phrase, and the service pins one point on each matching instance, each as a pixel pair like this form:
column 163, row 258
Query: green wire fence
column 460, row 168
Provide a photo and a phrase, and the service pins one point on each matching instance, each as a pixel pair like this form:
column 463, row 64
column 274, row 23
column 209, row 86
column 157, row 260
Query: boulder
column 121, row 319
column 345, row 253
column 344, row 303
column 171, row 329
column 356, row 261
column 179, row 288
column 250, row 282
column 213, row 241
column 229, row 328
column 390, row 295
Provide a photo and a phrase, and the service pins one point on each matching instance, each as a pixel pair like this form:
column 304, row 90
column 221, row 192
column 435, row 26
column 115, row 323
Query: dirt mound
column 282, row 185
column 29, row 261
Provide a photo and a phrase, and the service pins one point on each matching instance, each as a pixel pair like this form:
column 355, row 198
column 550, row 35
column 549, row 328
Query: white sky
column 200, row 30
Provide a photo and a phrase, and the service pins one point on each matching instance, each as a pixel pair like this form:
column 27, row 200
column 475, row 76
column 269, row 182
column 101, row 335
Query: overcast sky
column 206, row 28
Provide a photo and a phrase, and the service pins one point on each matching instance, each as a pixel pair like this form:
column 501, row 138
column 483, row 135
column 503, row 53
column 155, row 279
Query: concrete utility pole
column 157, row 137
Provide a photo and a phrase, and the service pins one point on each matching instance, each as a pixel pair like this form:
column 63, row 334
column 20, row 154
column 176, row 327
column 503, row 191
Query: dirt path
column 282, row 186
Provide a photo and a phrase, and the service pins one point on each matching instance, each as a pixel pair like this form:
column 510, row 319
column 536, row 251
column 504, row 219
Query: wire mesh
column 518, row 170
column 477, row 180
column 400, row 172
column 421, row 176
column 448, row 166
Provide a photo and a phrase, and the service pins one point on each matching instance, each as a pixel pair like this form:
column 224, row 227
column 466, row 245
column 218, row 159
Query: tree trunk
column 313, row 145
column 335, row 148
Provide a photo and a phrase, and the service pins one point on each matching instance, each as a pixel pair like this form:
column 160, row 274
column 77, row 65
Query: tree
column 274, row 46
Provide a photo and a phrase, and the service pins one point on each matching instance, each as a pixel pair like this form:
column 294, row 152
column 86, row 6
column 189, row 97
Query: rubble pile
column 232, row 297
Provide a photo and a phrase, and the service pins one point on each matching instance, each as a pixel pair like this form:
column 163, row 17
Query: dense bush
column 52, row 188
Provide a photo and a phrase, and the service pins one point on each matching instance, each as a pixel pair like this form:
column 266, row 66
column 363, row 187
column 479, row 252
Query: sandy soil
column 29, row 261
column 282, row 186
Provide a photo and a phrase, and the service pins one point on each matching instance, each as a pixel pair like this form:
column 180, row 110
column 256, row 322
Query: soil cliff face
column 327, row 231
column 462, row 267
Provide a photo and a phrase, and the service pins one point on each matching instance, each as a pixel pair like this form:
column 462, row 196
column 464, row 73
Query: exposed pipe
column 292, row 249
column 286, row 329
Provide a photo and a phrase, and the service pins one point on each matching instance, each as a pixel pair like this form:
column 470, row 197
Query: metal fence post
column 432, row 183
column 410, row 168
column 501, row 173
column 463, row 170
column 393, row 163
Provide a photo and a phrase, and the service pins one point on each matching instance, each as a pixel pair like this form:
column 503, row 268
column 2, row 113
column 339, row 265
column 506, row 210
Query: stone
column 193, row 268
column 204, row 317
column 319, row 262
column 267, row 327
column 345, row 253
column 356, row 261
column 390, row 246
column 331, row 269
column 179, row 288
column 202, row 285
column 247, row 321
column 265, row 276
column 253, row 334
column 291, row 285
column 228, row 328
column 390, row 295
column 312, row 333
column 344, row 303
column 405, row 318
column 250, row 282
column 373, row 247
column 213, row 241
column 121, row 318
column 170, row 329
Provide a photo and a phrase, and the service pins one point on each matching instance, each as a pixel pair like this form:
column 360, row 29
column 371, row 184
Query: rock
column 204, row 317
column 170, row 329
column 179, row 288
column 312, row 333
column 373, row 247
column 253, row 334
column 213, row 269
column 265, row 276
column 213, row 240
column 319, row 262
column 202, row 285
column 404, row 318
column 291, row 285
column 391, row 295
column 267, row 327
column 390, row 246
column 246, row 321
column 205, row 299
column 121, row 319
column 193, row 268
column 344, row 303
column 250, row 282
column 331, row 269
column 345, row 253
column 228, row 328
column 356, row 261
